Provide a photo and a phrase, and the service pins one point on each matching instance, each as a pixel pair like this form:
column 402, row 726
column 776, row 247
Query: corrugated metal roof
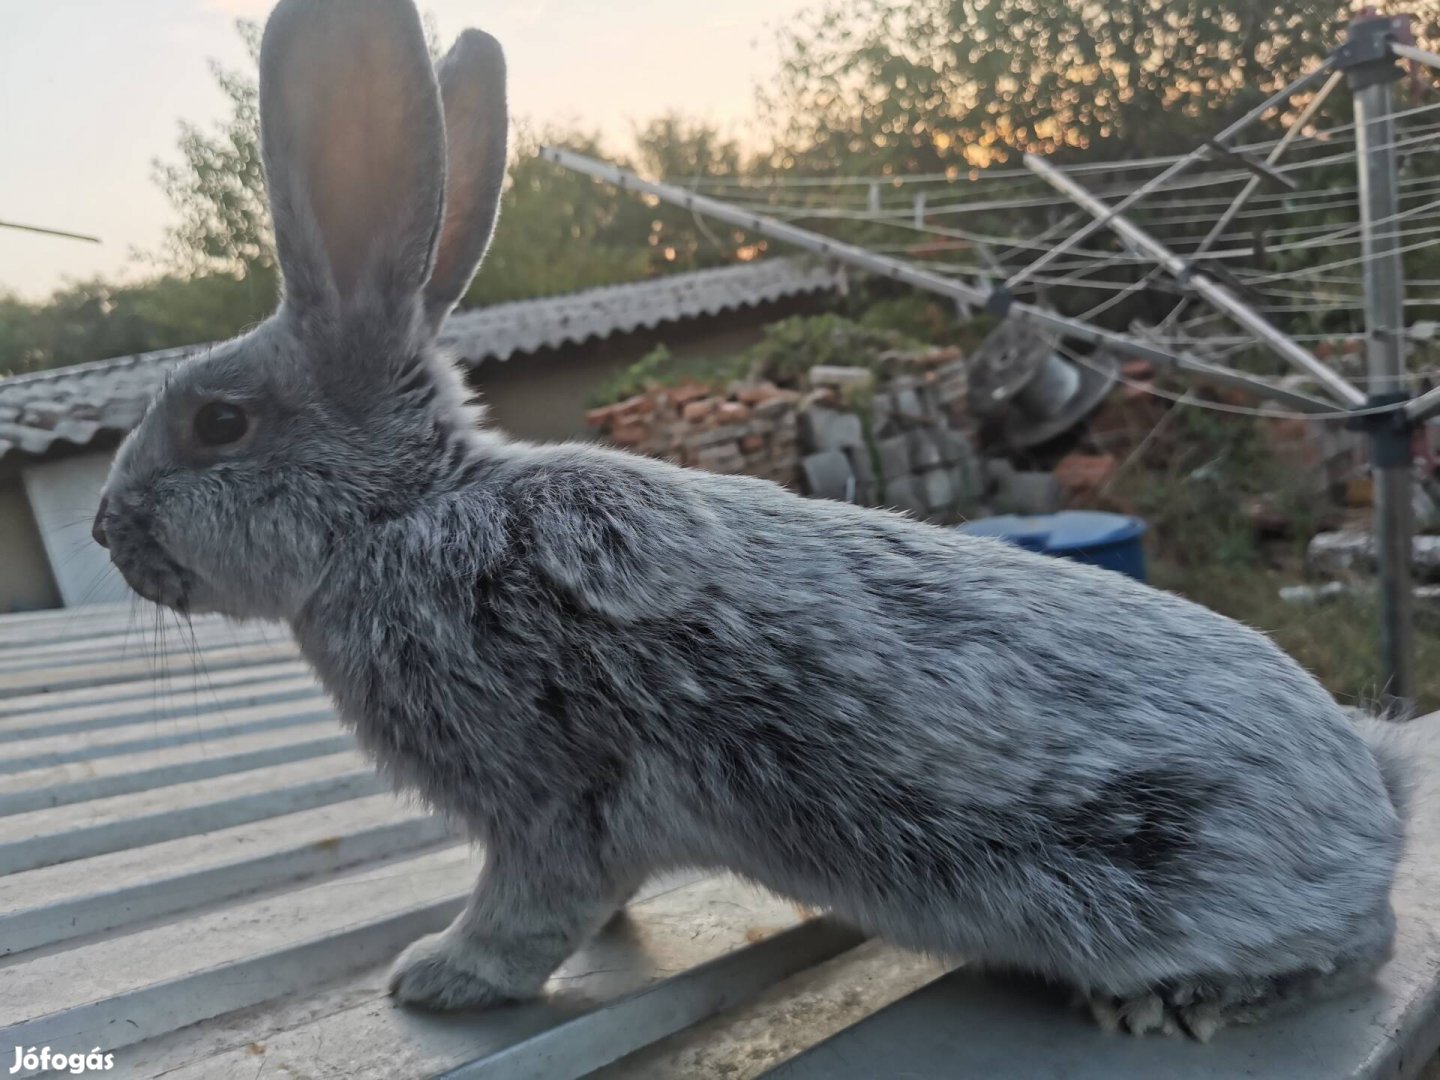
column 72, row 405
column 201, row 875
column 502, row 331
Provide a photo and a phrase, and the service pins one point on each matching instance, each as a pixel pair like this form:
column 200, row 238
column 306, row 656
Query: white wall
column 63, row 496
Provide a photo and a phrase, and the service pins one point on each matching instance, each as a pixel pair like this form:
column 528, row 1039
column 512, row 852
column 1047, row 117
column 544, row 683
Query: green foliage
column 1194, row 497
column 559, row 232
column 954, row 87
column 927, row 318
column 922, row 85
column 217, row 188
column 660, row 368
column 784, row 355
column 654, row 369
column 876, row 87
column 93, row 320
column 791, row 347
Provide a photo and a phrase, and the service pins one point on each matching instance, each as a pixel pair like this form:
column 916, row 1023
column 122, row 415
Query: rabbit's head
column 262, row 458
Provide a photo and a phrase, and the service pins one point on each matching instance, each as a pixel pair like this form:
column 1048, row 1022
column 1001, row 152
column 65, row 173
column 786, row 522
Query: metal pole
column 1253, row 184
column 1198, row 154
column 1421, row 56
column 1372, row 84
column 921, row 278
column 1191, row 278
column 1423, row 407
column 49, row 232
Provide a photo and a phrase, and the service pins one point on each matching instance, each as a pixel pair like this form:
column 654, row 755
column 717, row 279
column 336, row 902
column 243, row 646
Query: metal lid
column 1005, row 362
column 1097, row 376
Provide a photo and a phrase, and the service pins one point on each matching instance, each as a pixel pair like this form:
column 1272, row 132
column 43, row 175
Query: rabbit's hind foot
column 1200, row 1007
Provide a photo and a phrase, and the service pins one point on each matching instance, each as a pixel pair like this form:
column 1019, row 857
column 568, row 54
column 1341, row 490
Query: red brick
column 601, row 416
column 637, row 406
column 699, row 410
column 685, row 393
column 752, row 443
column 1085, row 472
column 630, row 434
column 778, row 402
column 732, row 412
column 755, row 394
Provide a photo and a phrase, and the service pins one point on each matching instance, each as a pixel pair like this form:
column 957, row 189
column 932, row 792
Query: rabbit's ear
column 354, row 149
column 472, row 88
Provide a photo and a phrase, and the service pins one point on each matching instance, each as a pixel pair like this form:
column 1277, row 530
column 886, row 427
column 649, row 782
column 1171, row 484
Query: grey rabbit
column 608, row 666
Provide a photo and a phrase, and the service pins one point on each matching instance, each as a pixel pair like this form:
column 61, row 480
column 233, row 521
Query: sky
column 92, row 91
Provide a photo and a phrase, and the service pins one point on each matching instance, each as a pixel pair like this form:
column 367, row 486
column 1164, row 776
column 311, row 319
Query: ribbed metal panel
column 203, row 876
column 200, row 874
column 72, row 405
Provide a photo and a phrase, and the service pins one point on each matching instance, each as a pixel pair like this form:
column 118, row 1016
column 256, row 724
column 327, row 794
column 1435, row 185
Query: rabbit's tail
column 1399, row 747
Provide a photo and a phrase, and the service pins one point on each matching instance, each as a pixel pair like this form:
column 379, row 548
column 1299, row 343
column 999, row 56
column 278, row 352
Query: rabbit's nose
column 98, row 529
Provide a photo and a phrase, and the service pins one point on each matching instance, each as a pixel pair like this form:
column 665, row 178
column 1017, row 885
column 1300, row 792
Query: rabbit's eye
column 219, row 423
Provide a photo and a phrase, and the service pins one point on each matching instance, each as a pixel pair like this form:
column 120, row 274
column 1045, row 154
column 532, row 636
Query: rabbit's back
column 963, row 745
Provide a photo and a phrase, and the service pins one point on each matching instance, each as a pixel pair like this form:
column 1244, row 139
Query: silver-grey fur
column 608, row 666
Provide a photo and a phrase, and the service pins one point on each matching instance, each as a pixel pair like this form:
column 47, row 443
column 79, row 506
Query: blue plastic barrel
column 1111, row 541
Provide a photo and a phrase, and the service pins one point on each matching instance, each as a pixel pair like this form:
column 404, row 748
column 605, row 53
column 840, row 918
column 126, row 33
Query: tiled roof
column 72, row 405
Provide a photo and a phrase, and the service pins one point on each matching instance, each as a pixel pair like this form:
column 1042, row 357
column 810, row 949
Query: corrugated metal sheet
column 71, row 405
column 507, row 329
column 201, row 875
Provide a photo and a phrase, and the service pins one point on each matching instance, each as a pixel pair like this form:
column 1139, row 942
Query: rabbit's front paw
column 441, row 971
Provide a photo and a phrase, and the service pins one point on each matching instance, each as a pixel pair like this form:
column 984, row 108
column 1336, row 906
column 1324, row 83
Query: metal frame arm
column 1173, row 170
column 921, row 278
column 1188, row 276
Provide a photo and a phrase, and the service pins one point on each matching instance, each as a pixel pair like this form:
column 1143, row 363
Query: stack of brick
column 751, row 429
column 918, row 454
column 904, row 443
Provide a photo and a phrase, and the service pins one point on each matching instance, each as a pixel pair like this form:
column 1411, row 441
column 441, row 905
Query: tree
column 217, row 188
column 683, row 151
column 559, row 232
column 922, row 85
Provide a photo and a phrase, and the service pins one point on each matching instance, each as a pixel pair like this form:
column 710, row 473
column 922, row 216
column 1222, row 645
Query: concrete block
column 894, row 456
column 846, row 378
column 828, row 475
column 908, row 405
column 828, row 429
column 966, row 481
column 862, row 465
column 903, row 493
column 924, row 450
column 939, row 489
column 953, row 445
column 996, row 473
